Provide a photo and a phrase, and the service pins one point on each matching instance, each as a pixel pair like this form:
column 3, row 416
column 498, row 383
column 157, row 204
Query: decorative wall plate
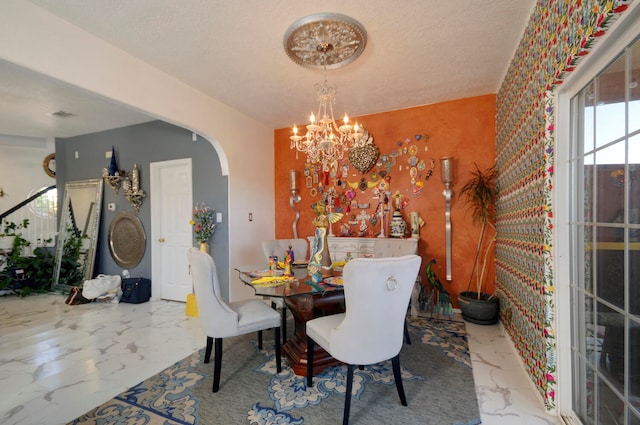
column 127, row 239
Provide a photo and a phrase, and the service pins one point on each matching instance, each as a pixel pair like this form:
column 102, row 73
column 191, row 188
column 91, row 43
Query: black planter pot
column 483, row 311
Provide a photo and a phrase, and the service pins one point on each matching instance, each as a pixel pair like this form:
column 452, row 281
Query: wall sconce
column 131, row 188
column 446, row 165
column 114, row 181
column 295, row 198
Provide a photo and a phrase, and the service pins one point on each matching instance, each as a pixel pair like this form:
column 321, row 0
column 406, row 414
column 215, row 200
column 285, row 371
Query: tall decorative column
column 446, row 165
column 294, row 199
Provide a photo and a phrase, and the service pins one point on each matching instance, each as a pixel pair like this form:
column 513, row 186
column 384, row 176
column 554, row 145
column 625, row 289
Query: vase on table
column 192, row 304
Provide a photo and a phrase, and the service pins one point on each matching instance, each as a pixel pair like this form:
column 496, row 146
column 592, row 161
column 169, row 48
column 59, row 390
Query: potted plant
column 9, row 233
column 479, row 195
column 13, row 244
column 35, row 273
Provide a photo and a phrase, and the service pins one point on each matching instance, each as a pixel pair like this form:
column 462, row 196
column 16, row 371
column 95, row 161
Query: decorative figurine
column 320, row 257
column 397, row 224
column 291, row 254
column 287, row 265
column 416, row 223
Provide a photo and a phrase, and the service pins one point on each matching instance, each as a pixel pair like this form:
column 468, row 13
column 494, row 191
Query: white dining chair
column 390, row 247
column 219, row 319
column 370, row 331
column 278, row 247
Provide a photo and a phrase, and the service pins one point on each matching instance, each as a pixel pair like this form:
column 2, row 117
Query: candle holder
column 446, row 172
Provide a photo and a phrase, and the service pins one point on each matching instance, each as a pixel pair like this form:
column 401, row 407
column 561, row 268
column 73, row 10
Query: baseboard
column 550, row 412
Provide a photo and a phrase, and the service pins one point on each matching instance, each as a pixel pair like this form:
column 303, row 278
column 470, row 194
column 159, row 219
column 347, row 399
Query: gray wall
column 143, row 144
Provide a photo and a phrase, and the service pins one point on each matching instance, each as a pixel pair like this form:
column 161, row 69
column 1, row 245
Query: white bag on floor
column 102, row 285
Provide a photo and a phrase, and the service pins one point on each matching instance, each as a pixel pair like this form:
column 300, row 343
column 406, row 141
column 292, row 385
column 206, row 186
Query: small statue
column 287, row 265
column 291, row 254
column 416, row 223
column 273, row 264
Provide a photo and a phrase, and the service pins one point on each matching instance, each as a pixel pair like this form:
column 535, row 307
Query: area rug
column 436, row 372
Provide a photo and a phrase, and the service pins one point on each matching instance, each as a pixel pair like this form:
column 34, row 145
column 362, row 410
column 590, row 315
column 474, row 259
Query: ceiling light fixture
column 326, row 41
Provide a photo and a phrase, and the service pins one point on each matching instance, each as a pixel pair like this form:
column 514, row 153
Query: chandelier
column 326, row 41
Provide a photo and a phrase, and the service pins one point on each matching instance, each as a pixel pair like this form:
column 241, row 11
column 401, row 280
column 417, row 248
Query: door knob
column 161, row 240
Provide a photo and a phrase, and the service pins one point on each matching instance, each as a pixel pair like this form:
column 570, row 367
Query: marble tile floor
column 506, row 396
column 59, row 361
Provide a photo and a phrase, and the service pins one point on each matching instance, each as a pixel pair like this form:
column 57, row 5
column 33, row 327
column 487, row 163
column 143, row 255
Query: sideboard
column 341, row 247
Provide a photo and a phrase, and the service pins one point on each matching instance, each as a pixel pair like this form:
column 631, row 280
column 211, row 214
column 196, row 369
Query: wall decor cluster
column 130, row 184
column 360, row 186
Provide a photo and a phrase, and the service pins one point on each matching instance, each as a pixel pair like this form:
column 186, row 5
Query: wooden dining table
column 305, row 300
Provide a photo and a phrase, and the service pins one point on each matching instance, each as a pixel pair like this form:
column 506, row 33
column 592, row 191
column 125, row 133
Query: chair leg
column 260, row 340
column 347, row 395
column 397, row 376
column 207, row 352
column 310, row 344
column 278, row 355
column 284, row 324
column 217, row 365
column 407, row 338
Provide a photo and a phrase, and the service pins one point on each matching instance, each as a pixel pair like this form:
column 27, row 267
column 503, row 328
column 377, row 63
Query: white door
column 171, row 233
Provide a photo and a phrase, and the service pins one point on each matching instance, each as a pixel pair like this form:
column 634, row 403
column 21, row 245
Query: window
column 604, row 229
column 46, row 205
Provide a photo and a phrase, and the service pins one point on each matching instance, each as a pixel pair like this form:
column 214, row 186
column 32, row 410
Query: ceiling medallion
column 331, row 37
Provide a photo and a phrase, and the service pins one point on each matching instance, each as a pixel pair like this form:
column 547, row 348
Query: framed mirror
column 78, row 233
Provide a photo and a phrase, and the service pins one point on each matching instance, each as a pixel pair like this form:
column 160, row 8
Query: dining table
column 306, row 300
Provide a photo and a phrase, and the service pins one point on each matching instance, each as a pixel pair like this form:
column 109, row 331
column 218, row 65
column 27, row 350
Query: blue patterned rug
column 436, row 372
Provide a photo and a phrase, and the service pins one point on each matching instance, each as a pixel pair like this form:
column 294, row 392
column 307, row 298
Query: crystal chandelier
column 326, row 40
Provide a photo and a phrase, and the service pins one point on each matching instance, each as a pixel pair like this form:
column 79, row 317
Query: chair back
column 280, row 246
column 217, row 319
column 389, row 247
column 377, row 292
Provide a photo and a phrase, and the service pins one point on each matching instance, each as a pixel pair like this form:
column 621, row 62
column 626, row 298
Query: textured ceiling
column 418, row 52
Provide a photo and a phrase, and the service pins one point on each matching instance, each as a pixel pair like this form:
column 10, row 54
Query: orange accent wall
column 463, row 129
